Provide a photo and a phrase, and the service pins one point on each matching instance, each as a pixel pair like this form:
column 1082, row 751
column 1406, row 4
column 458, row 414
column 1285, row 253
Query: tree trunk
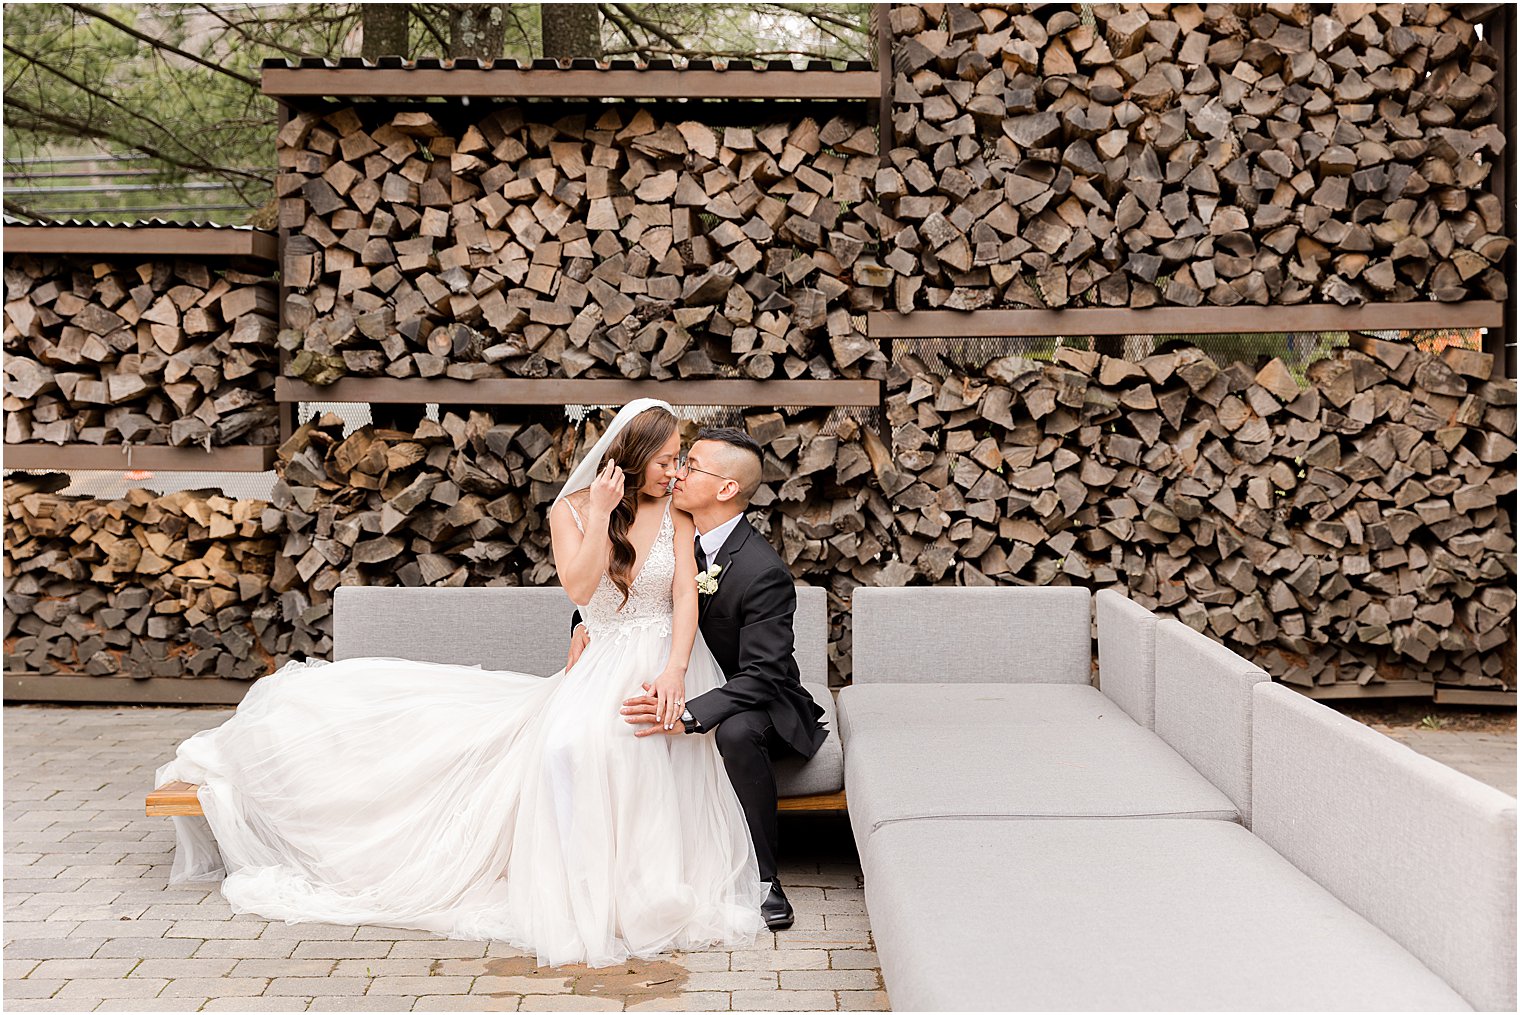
column 571, row 30
column 477, row 30
column 385, row 27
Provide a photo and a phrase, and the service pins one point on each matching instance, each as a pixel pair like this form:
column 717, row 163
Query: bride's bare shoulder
column 579, row 500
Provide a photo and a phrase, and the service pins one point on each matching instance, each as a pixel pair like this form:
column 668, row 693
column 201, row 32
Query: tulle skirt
column 476, row 804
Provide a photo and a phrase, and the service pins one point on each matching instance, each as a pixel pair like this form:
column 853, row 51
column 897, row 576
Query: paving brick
column 846, row 921
column 217, row 986
column 368, row 933
column 220, row 929
column 72, row 969
column 309, row 931
column 702, row 962
column 122, row 928
column 176, row 968
column 568, row 1002
column 782, row 1000
column 50, row 948
column 384, row 1002
column 265, row 1003
column 242, row 949
column 417, row 985
column 520, row 985
column 405, row 967
column 148, row 948
column 863, row 1000
column 106, row 989
column 27, row 1004
column 830, row 979
column 312, row 986
column 31, row 989
column 749, row 979
column 854, row 958
column 341, row 950
column 841, row 938
column 283, row 967
column 15, row 969
column 695, row 1001
column 438, row 949
column 465, row 1002
column 152, row 1004
column 792, row 958
column 63, row 928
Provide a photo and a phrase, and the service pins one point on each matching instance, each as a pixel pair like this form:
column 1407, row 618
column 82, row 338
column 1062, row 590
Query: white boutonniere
column 707, row 581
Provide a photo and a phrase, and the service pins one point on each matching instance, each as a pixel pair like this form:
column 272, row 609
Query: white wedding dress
column 481, row 804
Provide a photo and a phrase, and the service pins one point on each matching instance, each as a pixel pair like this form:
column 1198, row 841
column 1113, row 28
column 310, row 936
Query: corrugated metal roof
column 154, row 223
column 582, row 64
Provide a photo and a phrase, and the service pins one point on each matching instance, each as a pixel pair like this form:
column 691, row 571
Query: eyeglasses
column 683, row 467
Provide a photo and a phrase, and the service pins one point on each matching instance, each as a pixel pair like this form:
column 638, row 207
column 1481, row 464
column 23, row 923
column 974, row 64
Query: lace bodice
column 650, row 601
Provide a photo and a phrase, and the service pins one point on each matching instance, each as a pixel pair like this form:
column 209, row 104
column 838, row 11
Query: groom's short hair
column 749, row 481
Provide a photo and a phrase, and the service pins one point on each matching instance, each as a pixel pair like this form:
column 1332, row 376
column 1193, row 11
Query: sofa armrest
column 1203, row 707
column 1424, row 852
column 1127, row 655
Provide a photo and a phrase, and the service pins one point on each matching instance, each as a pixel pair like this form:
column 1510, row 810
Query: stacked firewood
column 465, row 501
column 1137, row 154
column 148, row 585
column 1358, row 527
column 626, row 242
column 138, row 351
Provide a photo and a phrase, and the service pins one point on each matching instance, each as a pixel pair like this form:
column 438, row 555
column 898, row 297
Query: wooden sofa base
column 179, row 798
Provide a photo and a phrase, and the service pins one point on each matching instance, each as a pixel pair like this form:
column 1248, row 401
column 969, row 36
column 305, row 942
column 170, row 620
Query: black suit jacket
column 747, row 624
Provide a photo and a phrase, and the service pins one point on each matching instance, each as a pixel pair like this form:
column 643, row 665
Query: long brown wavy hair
column 632, row 449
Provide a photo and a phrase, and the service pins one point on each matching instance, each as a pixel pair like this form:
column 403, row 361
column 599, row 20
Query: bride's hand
column 607, row 490
column 669, row 690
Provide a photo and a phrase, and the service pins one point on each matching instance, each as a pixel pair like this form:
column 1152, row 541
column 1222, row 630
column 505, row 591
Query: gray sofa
column 528, row 630
column 1186, row 835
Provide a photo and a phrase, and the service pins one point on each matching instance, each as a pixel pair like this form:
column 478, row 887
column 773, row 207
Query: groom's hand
column 578, row 642
column 644, row 711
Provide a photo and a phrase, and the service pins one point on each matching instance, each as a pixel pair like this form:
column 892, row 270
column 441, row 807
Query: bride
column 490, row 804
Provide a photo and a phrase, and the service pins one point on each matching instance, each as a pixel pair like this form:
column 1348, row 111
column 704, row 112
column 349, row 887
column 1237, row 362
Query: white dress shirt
column 713, row 540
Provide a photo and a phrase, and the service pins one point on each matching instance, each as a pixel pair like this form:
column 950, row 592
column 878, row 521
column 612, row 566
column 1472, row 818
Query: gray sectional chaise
column 528, row 630
column 1190, row 836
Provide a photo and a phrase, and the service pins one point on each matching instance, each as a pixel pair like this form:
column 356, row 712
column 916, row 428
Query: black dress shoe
column 776, row 909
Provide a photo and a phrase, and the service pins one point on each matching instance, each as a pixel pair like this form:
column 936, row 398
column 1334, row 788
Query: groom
column 762, row 711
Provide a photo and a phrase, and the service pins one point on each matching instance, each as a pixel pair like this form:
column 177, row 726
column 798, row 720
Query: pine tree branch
column 161, row 44
column 44, row 120
column 87, row 90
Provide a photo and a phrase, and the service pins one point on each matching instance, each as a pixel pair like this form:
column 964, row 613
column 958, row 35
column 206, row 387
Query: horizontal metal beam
column 1411, row 316
column 167, row 241
column 125, row 690
column 153, row 457
column 507, row 83
column 1351, row 689
column 578, row 391
column 1475, row 696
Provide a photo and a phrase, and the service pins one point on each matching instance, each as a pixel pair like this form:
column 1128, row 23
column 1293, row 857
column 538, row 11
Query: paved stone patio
column 91, row 923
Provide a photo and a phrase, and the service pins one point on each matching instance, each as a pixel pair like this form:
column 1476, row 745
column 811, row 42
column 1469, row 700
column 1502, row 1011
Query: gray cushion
column 1030, row 750
column 1420, row 849
column 972, row 635
column 528, row 630
column 1135, row 915
column 824, row 771
column 1127, row 655
column 1203, row 707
